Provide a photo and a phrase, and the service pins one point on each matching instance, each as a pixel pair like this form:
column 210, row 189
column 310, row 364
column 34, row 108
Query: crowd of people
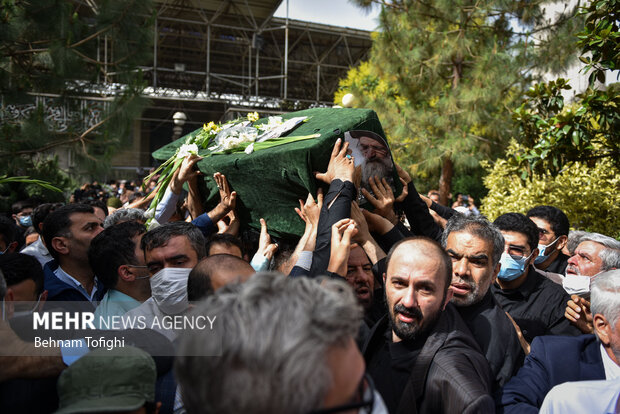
column 411, row 307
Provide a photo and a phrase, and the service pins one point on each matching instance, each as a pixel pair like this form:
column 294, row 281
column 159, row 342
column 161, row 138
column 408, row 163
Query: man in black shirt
column 475, row 247
column 535, row 303
column 553, row 227
column 421, row 355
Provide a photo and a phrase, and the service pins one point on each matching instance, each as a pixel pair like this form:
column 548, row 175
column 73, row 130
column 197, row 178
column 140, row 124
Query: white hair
column 605, row 296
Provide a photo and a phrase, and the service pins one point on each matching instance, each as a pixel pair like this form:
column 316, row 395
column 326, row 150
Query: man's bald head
column 423, row 246
column 214, row 272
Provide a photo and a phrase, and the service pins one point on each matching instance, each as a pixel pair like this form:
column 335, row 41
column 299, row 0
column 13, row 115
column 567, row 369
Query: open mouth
column 406, row 318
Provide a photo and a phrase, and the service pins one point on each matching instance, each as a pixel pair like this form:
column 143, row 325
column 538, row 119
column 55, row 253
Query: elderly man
column 558, row 359
column 421, row 355
column 594, row 254
column 475, row 247
column 287, row 347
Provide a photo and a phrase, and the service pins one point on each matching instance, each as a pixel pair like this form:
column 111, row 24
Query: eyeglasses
column 378, row 149
column 365, row 397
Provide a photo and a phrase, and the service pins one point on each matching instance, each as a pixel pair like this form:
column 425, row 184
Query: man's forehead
column 80, row 218
column 357, row 256
column 175, row 243
column 589, row 246
column 541, row 222
column 515, row 238
column 415, row 261
column 467, row 242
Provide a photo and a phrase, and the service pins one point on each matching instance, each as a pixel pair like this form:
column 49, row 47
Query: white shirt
column 612, row 370
column 68, row 279
column 580, row 397
column 39, row 251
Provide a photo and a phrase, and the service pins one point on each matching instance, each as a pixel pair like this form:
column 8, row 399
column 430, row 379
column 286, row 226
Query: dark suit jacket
column 450, row 375
column 552, row 360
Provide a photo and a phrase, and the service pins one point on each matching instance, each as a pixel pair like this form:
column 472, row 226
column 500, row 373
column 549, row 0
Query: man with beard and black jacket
column 475, row 247
column 421, row 356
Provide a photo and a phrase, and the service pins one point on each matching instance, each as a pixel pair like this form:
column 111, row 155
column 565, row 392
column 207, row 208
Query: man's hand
column 265, row 247
column 578, row 313
column 229, row 224
column 340, row 166
column 184, row 173
column 228, row 198
column 383, row 199
column 363, row 233
column 342, row 233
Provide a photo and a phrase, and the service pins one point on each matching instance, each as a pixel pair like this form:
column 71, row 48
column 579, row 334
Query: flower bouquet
column 242, row 135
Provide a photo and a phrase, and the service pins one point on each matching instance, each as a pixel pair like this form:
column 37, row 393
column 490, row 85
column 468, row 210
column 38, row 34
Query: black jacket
column 496, row 336
column 449, row 375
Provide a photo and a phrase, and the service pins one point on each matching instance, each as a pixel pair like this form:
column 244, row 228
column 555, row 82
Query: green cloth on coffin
column 270, row 182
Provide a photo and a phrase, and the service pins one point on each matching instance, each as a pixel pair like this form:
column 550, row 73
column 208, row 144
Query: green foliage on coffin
column 269, row 183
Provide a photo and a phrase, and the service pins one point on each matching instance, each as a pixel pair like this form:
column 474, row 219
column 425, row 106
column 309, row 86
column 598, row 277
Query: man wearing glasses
column 553, row 227
column 377, row 161
column 535, row 303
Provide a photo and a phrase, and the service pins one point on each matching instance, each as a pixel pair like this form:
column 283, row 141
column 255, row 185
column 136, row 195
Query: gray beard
column 379, row 168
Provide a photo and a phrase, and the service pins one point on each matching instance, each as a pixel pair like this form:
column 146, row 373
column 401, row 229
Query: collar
column 71, row 281
column 612, row 370
column 529, row 286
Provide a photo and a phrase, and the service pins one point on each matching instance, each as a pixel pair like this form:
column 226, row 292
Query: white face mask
column 169, row 289
column 576, row 284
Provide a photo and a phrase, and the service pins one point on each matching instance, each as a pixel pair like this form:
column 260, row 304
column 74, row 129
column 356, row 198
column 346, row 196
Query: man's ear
column 125, row 274
column 384, row 279
column 61, row 245
column 602, row 329
column 498, row 267
column 562, row 240
column 42, row 300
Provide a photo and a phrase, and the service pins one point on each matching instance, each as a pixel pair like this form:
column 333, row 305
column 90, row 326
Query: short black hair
column 18, row 267
column 447, row 261
column 111, row 249
column 98, row 203
column 22, row 204
column 58, row 222
column 519, row 223
column 41, row 212
column 226, row 239
column 554, row 216
column 160, row 236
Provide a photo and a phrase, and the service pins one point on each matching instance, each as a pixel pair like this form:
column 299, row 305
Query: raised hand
column 341, row 166
column 342, row 233
column 383, row 198
column 265, row 246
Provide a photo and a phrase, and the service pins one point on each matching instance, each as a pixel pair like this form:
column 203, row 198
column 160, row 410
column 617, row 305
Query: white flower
column 249, row 149
column 187, row 149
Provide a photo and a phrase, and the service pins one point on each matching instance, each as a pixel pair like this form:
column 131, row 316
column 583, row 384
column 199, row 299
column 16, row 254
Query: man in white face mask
column 170, row 251
column 595, row 253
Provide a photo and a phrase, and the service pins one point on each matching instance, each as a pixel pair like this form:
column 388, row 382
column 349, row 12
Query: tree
column 555, row 135
column 444, row 75
column 588, row 194
column 55, row 55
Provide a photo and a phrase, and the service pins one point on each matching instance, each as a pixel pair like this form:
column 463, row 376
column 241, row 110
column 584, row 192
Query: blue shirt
column 114, row 303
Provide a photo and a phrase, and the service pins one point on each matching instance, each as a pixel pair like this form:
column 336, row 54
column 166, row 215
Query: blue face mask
column 543, row 249
column 25, row 221
column 511, row 268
